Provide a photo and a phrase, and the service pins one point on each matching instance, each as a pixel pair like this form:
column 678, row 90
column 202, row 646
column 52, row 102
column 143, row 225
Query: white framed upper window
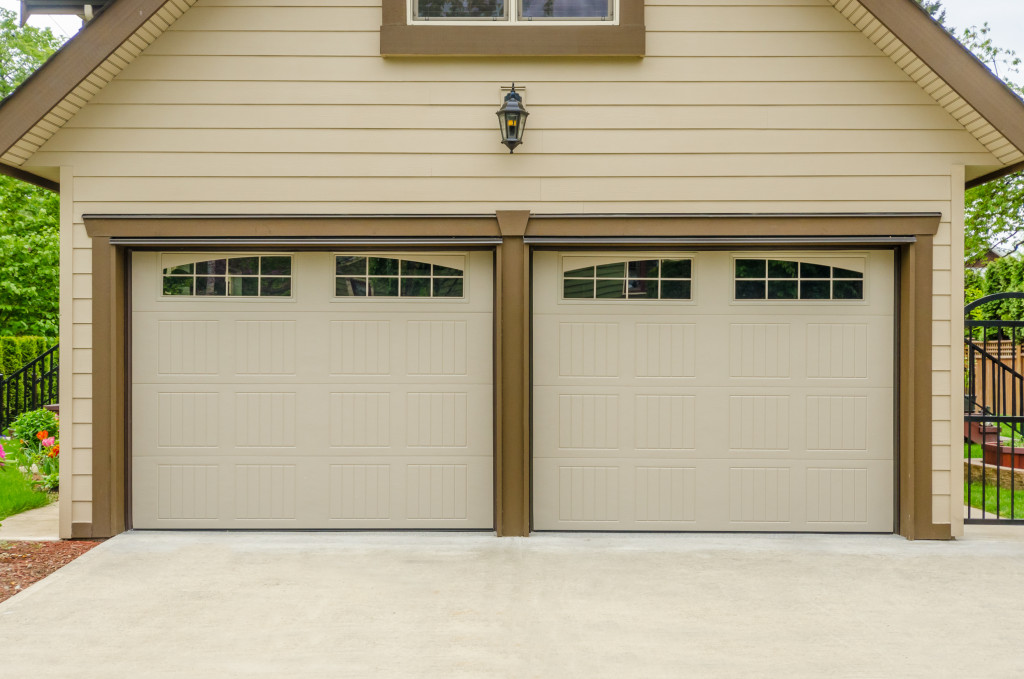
column 640, row 278
column 371, row 275
column 226, row 275
column 792, row 279
column 513, row 11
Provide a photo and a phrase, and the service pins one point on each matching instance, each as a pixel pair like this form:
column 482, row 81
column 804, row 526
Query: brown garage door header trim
column 110, row 359
column 298, row 242
column 715, row 240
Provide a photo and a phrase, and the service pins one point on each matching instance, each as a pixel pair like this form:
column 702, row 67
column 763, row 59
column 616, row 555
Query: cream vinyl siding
column 257, row 106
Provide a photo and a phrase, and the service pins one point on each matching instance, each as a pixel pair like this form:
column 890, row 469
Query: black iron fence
column 34, row 385
column 993, row 417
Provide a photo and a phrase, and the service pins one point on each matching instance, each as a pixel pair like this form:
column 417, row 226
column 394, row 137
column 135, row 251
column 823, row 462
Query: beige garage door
column 312, row 390
column 740, row 391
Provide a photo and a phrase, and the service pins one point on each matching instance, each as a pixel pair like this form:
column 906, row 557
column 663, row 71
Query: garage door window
column 243, row 276
column 637, row 279
column 369, row 276
column 778, row 279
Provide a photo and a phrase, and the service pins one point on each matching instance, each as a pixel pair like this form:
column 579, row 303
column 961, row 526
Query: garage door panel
column 830, row 350
column 747, row 494
column 307, row 492
column 315, row 411
column 715, row 422
column 713, row 414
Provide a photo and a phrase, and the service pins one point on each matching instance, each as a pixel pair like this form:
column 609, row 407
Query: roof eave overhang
column 24, row 176
column 992, row 176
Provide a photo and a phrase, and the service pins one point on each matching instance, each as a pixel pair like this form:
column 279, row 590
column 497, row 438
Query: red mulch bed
column 22, row 563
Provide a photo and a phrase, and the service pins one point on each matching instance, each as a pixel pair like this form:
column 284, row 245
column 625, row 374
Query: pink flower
column 48, row 442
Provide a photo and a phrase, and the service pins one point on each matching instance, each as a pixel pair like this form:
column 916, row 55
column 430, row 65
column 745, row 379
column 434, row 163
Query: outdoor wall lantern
column 512, row 119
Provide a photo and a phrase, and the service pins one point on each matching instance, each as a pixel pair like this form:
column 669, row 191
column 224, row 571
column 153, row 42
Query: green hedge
column 15, row 352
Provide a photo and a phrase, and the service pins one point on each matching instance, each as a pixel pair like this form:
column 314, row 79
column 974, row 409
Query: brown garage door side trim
column 109, row 328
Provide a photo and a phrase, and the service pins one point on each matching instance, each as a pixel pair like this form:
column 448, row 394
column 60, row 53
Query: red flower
column 42, row 435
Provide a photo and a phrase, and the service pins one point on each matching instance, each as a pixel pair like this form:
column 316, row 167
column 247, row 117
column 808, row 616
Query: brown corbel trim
column 72, row 64
column 399, row 38
column 24, row 176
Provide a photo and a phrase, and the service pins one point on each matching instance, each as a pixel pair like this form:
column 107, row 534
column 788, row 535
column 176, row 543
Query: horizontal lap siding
column 746, row 106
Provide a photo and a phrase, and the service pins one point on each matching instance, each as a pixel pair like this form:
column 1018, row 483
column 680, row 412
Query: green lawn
column 972, row 496
column 972, row 450
column 16, row 494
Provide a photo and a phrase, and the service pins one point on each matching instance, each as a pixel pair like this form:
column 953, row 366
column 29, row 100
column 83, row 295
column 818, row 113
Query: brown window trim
column 398, row 38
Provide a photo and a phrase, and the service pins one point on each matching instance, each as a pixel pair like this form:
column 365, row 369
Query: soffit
column 967, row 115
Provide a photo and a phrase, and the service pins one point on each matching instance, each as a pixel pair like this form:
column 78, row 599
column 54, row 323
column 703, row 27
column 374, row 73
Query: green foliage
column 10, row 355
column 934, row 7
column 23, row 49
column 999, row 501
column 35, row 439
column 29, row 215
column 15, row 352
column 17, row 495
column 995, row 217
column 30, row 258
column 29, row 424
column 1001, row 275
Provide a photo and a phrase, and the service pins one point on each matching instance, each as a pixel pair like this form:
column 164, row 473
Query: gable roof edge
column 72, row 64
column 24, row 176
column 32, row 105
column 956, row 65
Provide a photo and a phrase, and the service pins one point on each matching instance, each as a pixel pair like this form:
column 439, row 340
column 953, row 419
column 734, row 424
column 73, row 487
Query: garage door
column 312, row 390
column 748, row 391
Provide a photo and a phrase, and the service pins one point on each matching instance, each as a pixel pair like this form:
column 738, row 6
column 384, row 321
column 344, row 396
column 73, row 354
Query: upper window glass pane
column 649, row 279
column 460, row 9
column 373, row 276
column 565, row 9
column 775, row 279
column 242, row 276
column 513, row 10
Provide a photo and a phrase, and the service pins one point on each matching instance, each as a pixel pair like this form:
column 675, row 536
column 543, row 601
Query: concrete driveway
column 468, row 605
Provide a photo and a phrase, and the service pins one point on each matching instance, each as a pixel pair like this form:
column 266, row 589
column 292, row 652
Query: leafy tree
column 29, row 215
column 1001, row 275
column 30, row 259
column 23, row 49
